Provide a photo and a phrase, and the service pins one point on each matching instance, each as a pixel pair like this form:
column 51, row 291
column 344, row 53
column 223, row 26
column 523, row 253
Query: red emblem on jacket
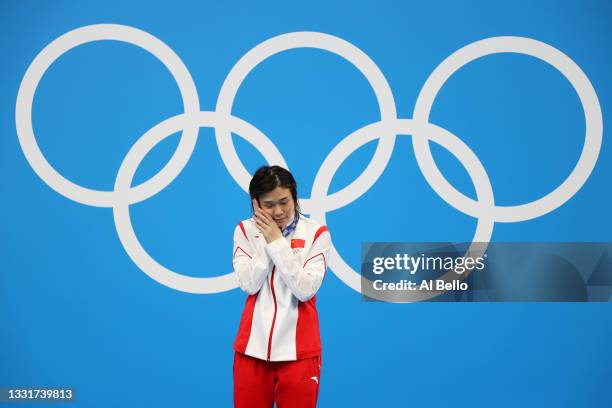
column 297, row 243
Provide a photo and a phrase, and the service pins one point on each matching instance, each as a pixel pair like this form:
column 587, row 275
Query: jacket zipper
column 274, row 317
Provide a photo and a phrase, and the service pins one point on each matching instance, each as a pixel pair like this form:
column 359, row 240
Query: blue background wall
column 76, row 311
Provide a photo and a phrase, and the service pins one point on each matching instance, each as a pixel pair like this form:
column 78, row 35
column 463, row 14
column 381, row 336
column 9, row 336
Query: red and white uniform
column 279, row 321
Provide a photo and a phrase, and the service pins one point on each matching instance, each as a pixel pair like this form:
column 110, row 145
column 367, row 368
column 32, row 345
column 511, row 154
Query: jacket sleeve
column 303, row 280
column 250, row 262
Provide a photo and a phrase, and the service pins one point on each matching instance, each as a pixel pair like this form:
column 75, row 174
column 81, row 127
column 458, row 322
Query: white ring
column 424, row 131
column 336, row 46
column 121, row 211
column 576, row 77
column 64, row 43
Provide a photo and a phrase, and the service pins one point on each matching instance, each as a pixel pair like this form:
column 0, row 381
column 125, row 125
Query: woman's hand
column 270, row 230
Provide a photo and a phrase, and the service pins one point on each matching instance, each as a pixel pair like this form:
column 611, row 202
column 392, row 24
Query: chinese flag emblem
column 297, row 243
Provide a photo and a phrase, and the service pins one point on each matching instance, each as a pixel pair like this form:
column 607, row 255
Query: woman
column 280, row 258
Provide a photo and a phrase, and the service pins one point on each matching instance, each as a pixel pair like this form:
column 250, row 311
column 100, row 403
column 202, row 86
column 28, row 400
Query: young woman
column 279, row 258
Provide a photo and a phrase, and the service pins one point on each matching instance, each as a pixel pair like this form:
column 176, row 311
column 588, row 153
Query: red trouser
column 291, row 384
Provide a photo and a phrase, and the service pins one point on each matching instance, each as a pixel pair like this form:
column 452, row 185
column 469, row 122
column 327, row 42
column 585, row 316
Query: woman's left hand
column 270, row 230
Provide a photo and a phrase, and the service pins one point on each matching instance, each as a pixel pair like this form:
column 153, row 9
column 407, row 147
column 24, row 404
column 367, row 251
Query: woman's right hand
column 265, row 223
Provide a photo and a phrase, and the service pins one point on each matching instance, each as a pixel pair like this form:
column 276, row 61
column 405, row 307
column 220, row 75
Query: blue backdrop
column 76, row 310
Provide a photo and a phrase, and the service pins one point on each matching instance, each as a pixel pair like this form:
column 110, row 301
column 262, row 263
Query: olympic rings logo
column 320, row 202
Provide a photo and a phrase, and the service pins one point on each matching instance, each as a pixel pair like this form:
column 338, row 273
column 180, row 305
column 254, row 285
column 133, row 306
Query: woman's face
column 279, row 205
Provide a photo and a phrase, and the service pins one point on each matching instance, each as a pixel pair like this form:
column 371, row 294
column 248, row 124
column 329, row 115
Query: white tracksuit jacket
column 279, row 321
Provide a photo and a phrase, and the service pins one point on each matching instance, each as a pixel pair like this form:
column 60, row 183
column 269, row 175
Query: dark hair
column 267, row 178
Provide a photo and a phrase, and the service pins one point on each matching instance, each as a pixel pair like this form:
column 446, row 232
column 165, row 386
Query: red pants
column 291, row 384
